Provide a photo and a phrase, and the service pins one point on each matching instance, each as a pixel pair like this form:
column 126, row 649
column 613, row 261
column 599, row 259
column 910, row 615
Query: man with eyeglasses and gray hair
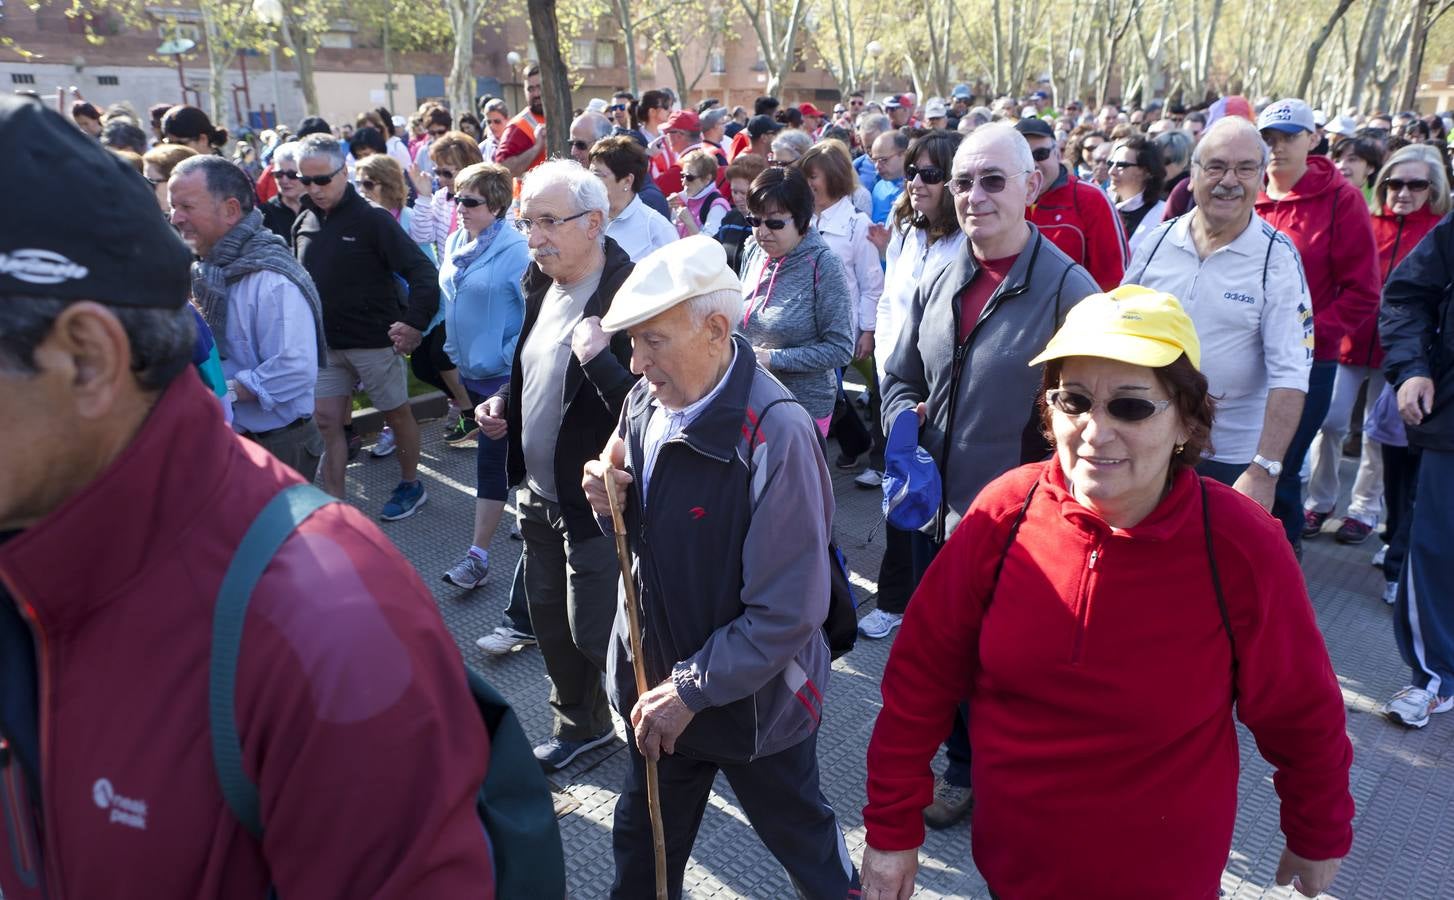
column 568, row 382
column 357, row 255
column 1242, row 283
column 962, row 362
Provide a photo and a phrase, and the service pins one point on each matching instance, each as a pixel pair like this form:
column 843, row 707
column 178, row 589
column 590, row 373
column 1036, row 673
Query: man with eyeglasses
column 1242, row 283
column 356, row 254
column 585, row 130
column 962, row 362
column 1076, row 216
column 568, row 382
column 1306, row 198
column 887, row 155
column 523, row 145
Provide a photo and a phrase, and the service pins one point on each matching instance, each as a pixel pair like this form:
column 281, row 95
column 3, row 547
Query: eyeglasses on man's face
column 546, row 224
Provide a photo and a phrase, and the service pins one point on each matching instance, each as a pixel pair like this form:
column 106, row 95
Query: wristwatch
column 1273, row 467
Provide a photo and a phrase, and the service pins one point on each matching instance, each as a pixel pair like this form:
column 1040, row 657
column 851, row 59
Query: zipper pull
column 1095, row 555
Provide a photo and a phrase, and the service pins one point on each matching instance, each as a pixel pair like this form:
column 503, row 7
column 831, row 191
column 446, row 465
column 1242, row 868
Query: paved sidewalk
column 1401, row 779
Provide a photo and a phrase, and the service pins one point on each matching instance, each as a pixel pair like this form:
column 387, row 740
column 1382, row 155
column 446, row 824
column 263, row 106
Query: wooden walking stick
column 633, row 623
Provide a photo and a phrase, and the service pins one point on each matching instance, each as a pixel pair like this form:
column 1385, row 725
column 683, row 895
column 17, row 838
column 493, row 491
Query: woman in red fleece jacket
column 1080, row 608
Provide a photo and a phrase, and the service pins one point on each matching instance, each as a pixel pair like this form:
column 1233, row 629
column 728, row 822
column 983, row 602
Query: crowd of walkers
column 1100, row 354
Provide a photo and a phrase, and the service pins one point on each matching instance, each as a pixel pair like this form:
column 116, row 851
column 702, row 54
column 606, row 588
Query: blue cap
column 911, row 479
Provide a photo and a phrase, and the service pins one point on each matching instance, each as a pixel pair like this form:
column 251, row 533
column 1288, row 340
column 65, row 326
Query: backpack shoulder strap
column 1217, row 585
column 752, row 439
column 1010, row 538
column 273, row 525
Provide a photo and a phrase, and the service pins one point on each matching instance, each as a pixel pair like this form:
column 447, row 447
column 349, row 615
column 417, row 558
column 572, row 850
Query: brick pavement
column 1401, row 779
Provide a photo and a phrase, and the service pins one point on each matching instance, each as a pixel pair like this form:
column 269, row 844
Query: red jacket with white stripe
column 1395, row 236
column 355, row 719
column 1079, row 219
column 1100, row 684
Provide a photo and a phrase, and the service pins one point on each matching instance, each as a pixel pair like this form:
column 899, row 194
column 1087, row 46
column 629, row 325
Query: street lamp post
column 874, row 51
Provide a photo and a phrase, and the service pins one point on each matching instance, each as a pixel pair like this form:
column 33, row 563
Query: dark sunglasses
column 438, row 134
column 992, row 183
column 367, row 184
column 1127, row 409
column 287, row 174
column 1040, row 154
column 469, row 202
column 319, row 180
column 1118, row 166
column 1398, row 184
column 444, row 173
column 155, row 182
column 582, row 146
column 772, row 224
column 928, row 174
column 618, row 107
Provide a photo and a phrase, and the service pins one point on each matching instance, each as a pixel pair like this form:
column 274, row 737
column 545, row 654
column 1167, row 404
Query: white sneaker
column 504, row 639
column 1390, row 592
column 385, row 444
column 879, row 624
column 1378, row 558
column 869, row 479
column 1413, row 706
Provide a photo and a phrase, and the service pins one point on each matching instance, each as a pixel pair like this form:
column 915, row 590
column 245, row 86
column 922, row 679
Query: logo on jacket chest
column 1239, row 296
column 122, row 810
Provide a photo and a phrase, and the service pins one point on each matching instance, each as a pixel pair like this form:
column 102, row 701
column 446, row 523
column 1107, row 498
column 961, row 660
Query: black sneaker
column 557, row 752
column 461, row 432
column 355, row 444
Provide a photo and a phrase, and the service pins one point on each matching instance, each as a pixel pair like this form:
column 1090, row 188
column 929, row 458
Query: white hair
column 997, row 133
column 587, row 192
column 321, row 145
column 794, row 140
column 727, row 302
column 1233, row 126
column 286, row 153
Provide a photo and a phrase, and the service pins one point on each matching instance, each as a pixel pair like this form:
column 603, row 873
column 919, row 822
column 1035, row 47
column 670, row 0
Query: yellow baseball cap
column 1132, row 324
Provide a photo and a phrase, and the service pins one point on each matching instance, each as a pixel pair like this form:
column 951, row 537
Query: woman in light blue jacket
column 479, row 278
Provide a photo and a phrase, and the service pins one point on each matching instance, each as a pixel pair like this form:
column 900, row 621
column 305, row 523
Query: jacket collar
column 161, row 487
column 1166, row 521
column 1251, row 241
column 1019, row 275
column 717, row 431
column 836, row 219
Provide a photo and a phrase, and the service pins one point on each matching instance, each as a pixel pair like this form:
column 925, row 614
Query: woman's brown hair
column 455, row 149
column 1189, row 397
column 384, row 171
column 831, row 160
column 623, row 156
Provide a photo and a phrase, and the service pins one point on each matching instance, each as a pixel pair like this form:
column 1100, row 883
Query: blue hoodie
column 484, row 303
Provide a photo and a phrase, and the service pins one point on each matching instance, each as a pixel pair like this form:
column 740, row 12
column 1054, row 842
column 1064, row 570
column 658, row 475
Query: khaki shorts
column 379, row 369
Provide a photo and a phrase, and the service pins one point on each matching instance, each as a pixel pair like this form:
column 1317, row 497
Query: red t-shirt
column 975, row 297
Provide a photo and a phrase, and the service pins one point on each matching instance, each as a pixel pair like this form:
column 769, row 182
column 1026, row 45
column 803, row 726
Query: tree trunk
column 628, row 34
column 218, row 57
column 554, row 77
column 303, row 60
column 1310, row 61
column 463, row 15
column 1414, row 61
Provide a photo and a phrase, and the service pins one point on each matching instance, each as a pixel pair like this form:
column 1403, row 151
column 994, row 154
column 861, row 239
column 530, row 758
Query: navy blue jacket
column 1416, row 327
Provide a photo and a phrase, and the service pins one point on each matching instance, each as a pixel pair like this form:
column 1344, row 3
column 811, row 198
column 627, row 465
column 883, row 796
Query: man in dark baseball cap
column 761, row 130
column 123, row 500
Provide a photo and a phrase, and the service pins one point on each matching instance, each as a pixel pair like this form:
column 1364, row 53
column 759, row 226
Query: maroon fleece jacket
column 355, row 719
column 1100, row 685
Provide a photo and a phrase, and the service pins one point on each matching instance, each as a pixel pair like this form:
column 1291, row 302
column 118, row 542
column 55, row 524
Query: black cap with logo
column 757, row 126
column 91, row 228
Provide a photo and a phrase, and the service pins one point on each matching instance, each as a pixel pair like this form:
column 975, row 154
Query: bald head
column 586, row 130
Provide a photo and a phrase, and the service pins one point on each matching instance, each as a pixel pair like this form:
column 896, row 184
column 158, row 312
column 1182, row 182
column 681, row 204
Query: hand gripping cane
column 633, row 622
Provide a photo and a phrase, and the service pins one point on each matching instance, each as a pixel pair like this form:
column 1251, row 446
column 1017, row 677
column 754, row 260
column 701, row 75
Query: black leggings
column 429, row 359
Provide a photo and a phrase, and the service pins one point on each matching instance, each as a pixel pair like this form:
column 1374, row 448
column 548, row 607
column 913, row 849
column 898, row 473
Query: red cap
column 1237, row 105
column 809, row 109
column 683, row 120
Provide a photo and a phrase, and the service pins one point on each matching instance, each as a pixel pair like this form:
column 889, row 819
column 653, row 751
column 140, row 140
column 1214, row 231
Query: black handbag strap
column 1211, row 561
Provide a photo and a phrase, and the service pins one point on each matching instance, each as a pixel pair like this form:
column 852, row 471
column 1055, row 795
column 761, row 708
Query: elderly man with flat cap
column 728, row 505
column 123, row 500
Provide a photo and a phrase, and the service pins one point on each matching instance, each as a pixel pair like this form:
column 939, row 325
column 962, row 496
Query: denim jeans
column 1288, row 502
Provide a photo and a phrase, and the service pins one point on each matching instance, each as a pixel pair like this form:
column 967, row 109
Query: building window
column 108, row 80
column 719, row 62
column 583, row 53
column 22, row 78
column 605, row 54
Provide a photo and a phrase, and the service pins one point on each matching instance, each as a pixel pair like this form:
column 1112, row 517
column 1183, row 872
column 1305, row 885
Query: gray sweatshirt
column 800, row 308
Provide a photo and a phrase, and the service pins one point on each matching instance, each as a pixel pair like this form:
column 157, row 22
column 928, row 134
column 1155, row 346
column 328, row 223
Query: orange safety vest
column 525, row 121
